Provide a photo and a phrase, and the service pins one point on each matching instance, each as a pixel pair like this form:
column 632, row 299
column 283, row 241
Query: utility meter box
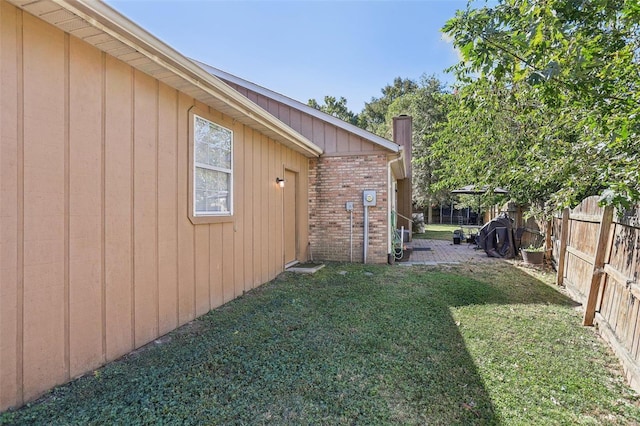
column 369, row 198
column 349, row 206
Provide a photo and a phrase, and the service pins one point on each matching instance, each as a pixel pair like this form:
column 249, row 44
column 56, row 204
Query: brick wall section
column 333, row 181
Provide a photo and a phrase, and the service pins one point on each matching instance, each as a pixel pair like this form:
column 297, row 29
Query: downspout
column 365, row 245
column 351, row 234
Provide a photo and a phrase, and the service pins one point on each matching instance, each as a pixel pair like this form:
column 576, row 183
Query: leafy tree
column 374, row 115
column 566, row 70
column 335, row 107
column 496, row 135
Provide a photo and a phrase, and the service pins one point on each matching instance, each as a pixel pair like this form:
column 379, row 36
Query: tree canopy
column 374, row 116
column 549, row 103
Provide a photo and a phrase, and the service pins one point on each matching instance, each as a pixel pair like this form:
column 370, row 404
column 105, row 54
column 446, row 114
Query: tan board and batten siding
column 97, row 252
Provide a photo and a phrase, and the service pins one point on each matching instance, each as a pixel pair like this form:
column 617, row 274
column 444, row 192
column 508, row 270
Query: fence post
column 564, row 234
column 548, row 248
column 598, row 265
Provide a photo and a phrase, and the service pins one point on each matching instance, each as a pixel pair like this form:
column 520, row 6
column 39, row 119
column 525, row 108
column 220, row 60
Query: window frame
column 197, row 217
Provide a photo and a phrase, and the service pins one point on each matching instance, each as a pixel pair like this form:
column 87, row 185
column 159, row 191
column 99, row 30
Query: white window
column 212, row 169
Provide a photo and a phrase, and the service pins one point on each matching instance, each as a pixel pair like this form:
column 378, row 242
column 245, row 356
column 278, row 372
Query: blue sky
column 307, row 49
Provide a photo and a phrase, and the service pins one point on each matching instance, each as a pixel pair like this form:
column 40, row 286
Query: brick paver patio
column 445, row 252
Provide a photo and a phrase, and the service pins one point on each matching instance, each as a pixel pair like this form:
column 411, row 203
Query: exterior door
column 290, row 217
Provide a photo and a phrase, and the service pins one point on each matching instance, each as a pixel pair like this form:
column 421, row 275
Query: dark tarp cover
column 497, row 237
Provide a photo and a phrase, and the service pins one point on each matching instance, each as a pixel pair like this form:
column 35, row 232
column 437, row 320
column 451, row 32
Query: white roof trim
column 392, row 146
column 398, row 166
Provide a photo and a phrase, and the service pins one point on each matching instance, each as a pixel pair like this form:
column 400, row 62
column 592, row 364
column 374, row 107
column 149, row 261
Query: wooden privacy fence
column 597, row 252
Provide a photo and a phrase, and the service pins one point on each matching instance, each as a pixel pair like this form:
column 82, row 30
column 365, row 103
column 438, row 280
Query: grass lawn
column 437, row 232
column 360, row 344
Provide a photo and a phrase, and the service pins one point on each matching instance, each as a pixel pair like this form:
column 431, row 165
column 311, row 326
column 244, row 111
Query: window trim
column 211, row 217
column 205, row 166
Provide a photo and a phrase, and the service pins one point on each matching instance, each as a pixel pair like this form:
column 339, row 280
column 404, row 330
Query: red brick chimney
column 402, row 134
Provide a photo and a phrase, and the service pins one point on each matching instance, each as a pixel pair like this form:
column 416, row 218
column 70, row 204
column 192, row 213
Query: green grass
column 437, row 232
column 375, row 345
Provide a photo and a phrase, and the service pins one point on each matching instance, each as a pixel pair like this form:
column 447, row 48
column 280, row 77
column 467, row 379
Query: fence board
column 615, row 307
column 624, row 251
column 633, row 323
column 606, row 302
column 577, row 276
column 635, row 345
column 622, row 320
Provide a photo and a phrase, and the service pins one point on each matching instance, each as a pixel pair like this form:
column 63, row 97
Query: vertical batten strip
column 194, row 275
column 185, row 228
column 271, row 237
column 132, row 206
column 67, row 209
column 278, row 169
column 177, row 224
column 103, row 192
column 281, row 153
column 248, row 210
column 20, row 210
column 157, row 195
column 192, row 228
column 264, row 194
column 209, row 228
column 215, row 262
column 212, row 279
column 255, row 236
column 239, row 208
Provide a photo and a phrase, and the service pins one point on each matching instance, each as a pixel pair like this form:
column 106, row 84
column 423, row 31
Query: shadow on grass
column 352, row 344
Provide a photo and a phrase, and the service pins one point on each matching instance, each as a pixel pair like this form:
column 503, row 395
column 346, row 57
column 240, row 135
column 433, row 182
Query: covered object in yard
column 497, row 237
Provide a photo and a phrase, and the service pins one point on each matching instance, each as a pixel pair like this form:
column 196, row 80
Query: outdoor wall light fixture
column 280, row 182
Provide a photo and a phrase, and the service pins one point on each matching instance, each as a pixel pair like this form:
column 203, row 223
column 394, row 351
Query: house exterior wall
column 349, row 165
column 97, row 253
column 334, row 181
